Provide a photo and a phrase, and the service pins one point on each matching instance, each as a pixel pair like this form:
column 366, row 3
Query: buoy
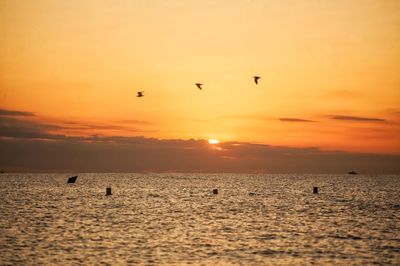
column 72, row 179
column 315, row 190
column 215, row 191
column 108, row 191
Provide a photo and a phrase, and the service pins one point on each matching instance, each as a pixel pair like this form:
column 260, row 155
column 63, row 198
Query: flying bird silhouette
column 256, row 78
column 140, row 94
column 199, row 86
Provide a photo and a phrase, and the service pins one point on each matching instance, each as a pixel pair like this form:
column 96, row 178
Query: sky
column 70, row 70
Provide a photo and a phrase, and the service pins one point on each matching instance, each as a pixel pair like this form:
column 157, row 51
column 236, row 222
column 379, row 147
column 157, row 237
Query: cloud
column 268, row 118
column 121, row 125
column 11, row 127
column 393, row 111
column 288, row 119
column 85, row 126
column 356, row 118
column 14, row 128
column 4, row 112
column 139, row 154
column 30, row 146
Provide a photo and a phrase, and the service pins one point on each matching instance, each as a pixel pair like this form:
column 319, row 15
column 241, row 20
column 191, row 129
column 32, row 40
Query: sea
column 176, row 219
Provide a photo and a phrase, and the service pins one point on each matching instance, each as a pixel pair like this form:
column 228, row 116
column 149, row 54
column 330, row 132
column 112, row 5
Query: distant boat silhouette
column 72, row 179
column 199, row 86
column 140, row 94
column 352, row 173
column 256, row 78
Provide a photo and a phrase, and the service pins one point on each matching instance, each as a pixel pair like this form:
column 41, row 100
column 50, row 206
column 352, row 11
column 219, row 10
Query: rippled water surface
column 175, row 219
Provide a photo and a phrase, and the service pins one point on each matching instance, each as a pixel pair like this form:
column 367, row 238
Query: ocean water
column 174, row 219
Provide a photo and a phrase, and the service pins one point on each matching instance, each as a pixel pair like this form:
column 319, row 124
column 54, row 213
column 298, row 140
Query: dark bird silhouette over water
column 140, row 94
column 72, row 179
column 256, row 78
column 199, row 86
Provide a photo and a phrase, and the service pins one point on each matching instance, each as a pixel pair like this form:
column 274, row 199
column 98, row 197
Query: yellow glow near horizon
column 213, row 141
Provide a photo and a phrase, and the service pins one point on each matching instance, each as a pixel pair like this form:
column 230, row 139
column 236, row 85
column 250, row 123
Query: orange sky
column 330, row 70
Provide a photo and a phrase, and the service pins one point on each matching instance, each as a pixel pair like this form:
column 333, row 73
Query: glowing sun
column 213, row 141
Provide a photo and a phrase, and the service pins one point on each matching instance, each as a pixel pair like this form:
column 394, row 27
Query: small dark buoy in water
column 215, row 191
column 72, row 179
column 108, row 191
column 315, row 190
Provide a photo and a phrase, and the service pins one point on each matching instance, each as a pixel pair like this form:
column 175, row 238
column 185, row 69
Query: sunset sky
column 330, row 72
